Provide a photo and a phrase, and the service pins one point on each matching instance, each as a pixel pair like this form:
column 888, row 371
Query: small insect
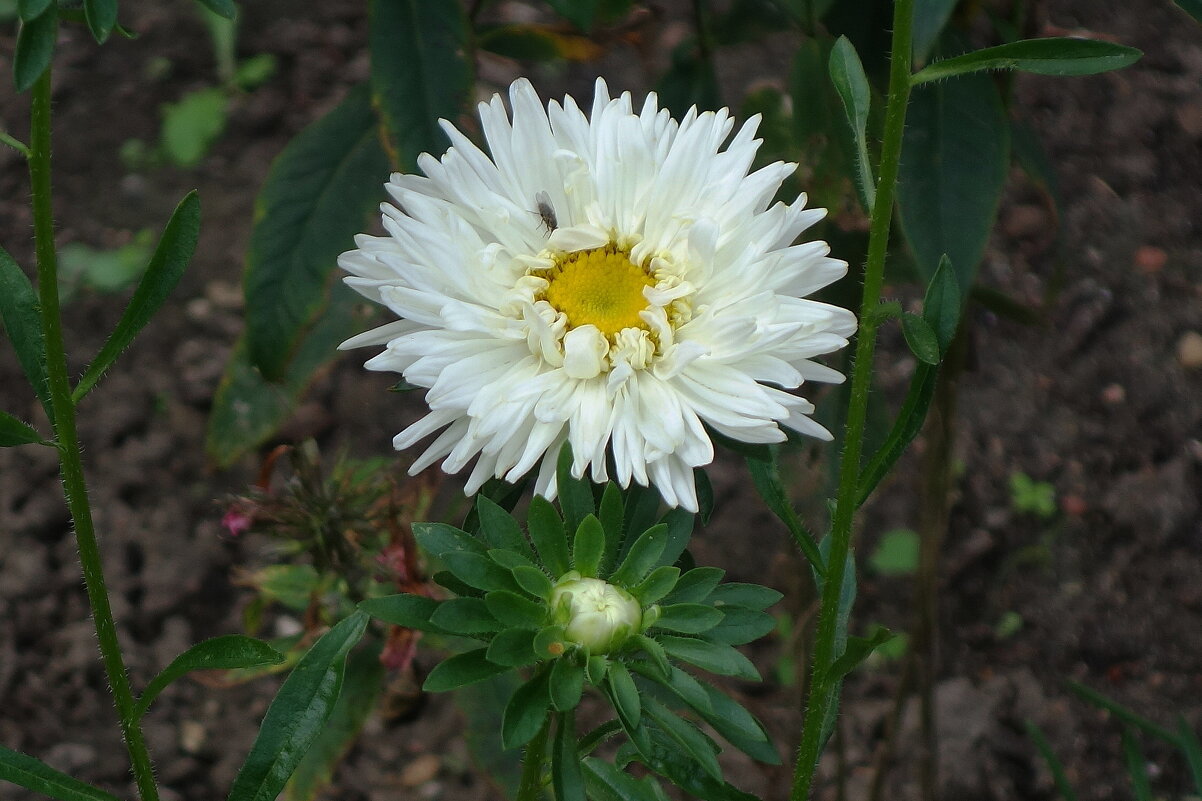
column 546, row 211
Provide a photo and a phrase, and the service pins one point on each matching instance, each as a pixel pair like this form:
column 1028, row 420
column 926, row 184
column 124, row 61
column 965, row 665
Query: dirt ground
column 1104, row 402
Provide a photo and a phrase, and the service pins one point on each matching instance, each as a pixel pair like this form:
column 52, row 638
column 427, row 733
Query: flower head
column 618, row 281
column 596, row 614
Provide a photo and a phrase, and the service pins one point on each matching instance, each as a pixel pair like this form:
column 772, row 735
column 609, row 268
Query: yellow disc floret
column 600, row 287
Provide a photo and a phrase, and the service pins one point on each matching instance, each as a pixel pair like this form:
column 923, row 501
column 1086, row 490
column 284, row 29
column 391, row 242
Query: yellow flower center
column 600, row 287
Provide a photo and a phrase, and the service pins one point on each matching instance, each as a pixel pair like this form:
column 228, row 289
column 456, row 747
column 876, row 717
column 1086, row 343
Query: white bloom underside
column 722, row 333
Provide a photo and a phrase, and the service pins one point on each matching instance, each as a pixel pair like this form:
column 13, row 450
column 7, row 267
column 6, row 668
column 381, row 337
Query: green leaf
column 567, row 778
column 766, row 477
column 1192, row 748
column 607, row 783
column 696, row 585
column 547, row 533
column 499, row 529
column 578, row 12
column 229, row 652
column 15, row 432
column 1137, row 766
column 549, row 642
column 716, row 658
column 575, row 494
column 513, row 647
column 526, row 711
column 955, row 157
column 1123, row 713
column 659, row 583
column 642, row 511
column 222, row 8
column 930, row 18
column 1194, row 9
column 364, row 680
column 298, row 713
column 461, row 670
column 589, row 547
column 166, row 267
column 533, row 581
column 319, row 193
column 33, row 774
column 654, row 651
column 465, row 616
column 741, row 626
column 740, row 728
column 943, row 303
column 567, row 683
column 420, row 73
column 1059, row 776
column 688, row 737
column 19, row 313
column 29, row 10
column 35, row 48
column 680, row 530
column 444, row 578
column 101, row 16
column 479, row 571
column 643, row 555
column 408, row 611
column 748, row 596
column 905, row 428
column 441, row 539
column 514, row 610
column 1057, row 56
column 847, row 74
column 624, row 695
column 896, row 554
column 857, row 650
column 482, row 706
column 611, row 513
column 688, row 618
column 193, row 124
column 921, row 338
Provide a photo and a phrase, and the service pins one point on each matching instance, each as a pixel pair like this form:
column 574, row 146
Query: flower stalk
column 824, row 686
column 67, row 440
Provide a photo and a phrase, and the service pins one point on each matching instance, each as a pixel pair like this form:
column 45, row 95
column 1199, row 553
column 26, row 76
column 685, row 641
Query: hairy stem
column 531, row 786
column 824, row 688
column 70, row 460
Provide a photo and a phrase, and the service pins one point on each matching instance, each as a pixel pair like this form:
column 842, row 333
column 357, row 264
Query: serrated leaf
column 465, row 616
column 688, row 618
column 512, row 647
column 419, row 73
column 409, row 611
column 624, row 694
column 659, row 583
column 35, row 48
column 15, row 432
column 33, row 774
column 1056, row 56
column 319, row 193
column 847, row 74
column 19, row 313
column 547, row 532
column 298, row 713
column 955, row 157
column 461, row 670
column 567, row 683
column 716, row 658
column 588, row 548
column 921, row 339
column 643, row 555
column 166, row 267
column 514, row 610
column 229, row 652
column 526, row 711
column 101, row 16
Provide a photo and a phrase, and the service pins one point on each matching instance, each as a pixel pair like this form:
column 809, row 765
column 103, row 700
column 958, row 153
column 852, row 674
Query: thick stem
column 823, row 686
column 70, row 460
column 531, row 786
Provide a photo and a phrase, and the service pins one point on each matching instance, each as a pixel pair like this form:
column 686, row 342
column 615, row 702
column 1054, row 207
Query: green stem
column 70, row 459
column 823, row 686
column 530, row 788
column 14, row 143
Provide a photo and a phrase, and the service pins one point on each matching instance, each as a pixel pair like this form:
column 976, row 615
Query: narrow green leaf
column 608, row 783
column 847, row 74
column 298, row 713
column 688, row 618
column 748, row 596
column 166, row 267
column 514, row 610
column 955, row 157
column 567, row 683
column 1137, row 766
column 19, row 313
column 1059, row 776
column 447, row 579
column 611, row 513
column 930, row 18
column 28, row 10
column 766, row 477
column 740, row 626
column 461, row 670
column 35, row 48
column 33, row 774
column 905, row 428
column 740, row 728
column 513, row 648
column 547, row 533
column 688, row 737
column 722, row 660
column 659, row 583
column 921, row 338
column 441, row 539
column 219, row 653
column 101, row 16
column 479, row 571
column 943, row 303
column 1194, row 9
column 624, row 694
column 1057, row 56
column 499, row 529
column 642, row 556
column 655, row 652
column 680, row 530
column 590, row 741
column 319, row 193
column 858, row 649
column 465, row 616
column 420, row 73
column 567, row 777
column 1123, row 713
column 589, row 547
column 15, row 432
column 575, row 494
column 409, row 611
column 222, row 8
column 526, row 711
column 696, row 585
column 360, row 689
column 532, row 580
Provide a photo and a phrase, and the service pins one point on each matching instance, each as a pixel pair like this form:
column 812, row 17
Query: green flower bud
column 595, row 614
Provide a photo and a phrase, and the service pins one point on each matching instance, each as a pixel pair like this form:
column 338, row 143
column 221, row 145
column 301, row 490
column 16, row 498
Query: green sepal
column 467, row 616
column 658, row 583
column 513, row 647
column 526, row 711
column 514, row 610
column 588, row 549
column 688, row 618
column 547, row 532
column 717, row 658
column 696, row 585
column 567, row 684
column 461, row 670
column 642, row 556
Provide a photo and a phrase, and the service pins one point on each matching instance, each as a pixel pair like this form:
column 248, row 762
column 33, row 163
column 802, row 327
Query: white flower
column 596, row 614
column 618, row 282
